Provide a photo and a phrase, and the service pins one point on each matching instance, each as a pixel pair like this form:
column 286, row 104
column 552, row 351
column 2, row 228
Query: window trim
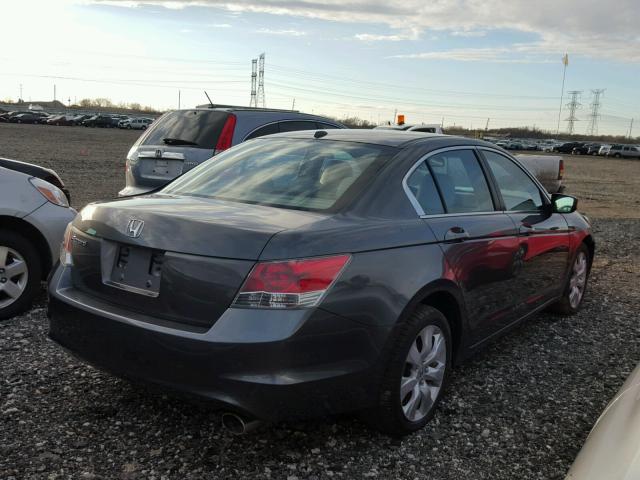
column 544, row 195
column 498, row 208
column 283, row 121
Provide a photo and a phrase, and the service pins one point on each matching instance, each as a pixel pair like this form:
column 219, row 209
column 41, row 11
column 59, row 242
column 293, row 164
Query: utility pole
column 486, row 127
column 261, row 101
column 573, row 105
column 293, row 104
column 20, row 99
column 565, row 62
column 179, row 99
column 254, row 80
column 54, row 92
column 631, row 128
column 592, row 128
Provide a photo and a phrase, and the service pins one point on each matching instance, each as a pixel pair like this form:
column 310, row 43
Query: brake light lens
column 65, row 247
column 561, row 170
column 291, row 283
column 226, row 136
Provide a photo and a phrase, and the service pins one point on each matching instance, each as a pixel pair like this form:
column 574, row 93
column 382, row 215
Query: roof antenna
column 208, row 98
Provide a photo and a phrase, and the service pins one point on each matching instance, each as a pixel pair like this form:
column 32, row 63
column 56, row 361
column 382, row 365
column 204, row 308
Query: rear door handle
column 456, row 234
column 525, row 229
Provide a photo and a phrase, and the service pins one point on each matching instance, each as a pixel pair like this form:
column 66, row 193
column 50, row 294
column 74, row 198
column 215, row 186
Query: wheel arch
column 591, row 245
column 446, row 297
column 27, row 230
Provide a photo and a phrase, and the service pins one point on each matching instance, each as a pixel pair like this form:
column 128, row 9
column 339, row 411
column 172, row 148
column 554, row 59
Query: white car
column 612, row 449
column 33, row 216
column 138, row 123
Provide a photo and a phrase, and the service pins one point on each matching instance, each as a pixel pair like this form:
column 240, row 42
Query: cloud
column 567, row 25
column 492, row 55
column 288, row 33
column 372, row 37
column 220, row 25
column 468, row 33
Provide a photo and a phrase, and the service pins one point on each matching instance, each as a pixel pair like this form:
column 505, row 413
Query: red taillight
column 290, row 283
column 561, row 170
column 225, row 139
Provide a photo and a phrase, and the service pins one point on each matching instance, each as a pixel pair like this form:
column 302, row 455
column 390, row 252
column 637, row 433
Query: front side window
column 262, row 131
column 518, row 191
column 461, row 182
column 289, row 173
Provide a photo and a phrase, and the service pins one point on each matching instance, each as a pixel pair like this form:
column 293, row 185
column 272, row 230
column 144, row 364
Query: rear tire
column 576, row 285
column 17, row 290
column 414, row 378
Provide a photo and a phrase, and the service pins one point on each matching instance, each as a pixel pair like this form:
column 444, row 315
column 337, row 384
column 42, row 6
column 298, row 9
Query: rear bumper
column 271, row 365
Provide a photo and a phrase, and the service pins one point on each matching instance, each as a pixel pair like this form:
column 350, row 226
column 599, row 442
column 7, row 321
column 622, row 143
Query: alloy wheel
column 14, row 275
column 423, row 373
column 578, row 280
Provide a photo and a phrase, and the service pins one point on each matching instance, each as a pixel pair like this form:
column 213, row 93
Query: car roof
column 391, row 138
column 257, row 111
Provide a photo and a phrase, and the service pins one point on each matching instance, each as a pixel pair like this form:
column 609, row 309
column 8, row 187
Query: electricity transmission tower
column 573, row 105
column 261, row 100
column 254, row 75
column 592, row 128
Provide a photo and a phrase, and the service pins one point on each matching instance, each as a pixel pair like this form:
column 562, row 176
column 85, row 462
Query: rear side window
column 424, row 190
column 461, row 182
column 262, row 131
column 294, row 126
column 519, row 192
column 191, row 128
column 298, row 174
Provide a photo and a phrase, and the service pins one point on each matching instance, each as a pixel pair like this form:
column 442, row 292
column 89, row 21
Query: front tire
column 576, row 286
column 20, row 274
column 415, row 375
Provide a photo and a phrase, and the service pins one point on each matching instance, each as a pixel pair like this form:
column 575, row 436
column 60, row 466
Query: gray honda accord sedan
column 319, row 272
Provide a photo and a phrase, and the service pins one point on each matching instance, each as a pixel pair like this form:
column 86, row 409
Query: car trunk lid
column 180, row 259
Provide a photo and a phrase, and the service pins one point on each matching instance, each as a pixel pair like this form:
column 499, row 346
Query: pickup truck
column 548, row 169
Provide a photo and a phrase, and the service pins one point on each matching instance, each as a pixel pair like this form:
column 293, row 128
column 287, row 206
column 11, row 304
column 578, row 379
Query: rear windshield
column 298, row 174
column 191, row 128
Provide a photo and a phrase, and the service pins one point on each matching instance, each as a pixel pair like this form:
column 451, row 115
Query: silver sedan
column 33, row 216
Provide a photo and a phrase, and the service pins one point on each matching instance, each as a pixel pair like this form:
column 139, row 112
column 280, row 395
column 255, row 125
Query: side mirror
column 563, row 203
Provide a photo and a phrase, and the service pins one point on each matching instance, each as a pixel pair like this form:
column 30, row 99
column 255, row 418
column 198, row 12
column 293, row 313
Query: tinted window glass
column 424, row 190
column 518, row 191
column 301, row 174
column 461, row 181
column 297, row 125
column 202, row 127
column 262, row 131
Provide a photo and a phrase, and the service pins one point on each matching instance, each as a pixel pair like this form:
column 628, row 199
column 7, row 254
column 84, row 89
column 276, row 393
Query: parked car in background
column 548, row 169
column 123, row 122
column 78, row 119
column 182, row 139
column 612, row 449
column 604, row 149
column 33, row 216
column 624, row 151
column 567, row 147
column 25, row 118
column 594, row 149
column 316, row 272
column 59, row 120
column 103, row 121
column 139, row 123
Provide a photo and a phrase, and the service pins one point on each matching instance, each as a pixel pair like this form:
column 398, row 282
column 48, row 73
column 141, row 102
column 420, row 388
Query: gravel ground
column 519, row 409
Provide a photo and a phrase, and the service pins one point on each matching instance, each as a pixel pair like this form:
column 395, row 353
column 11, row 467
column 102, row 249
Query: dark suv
column 313, row 272
column 182, row 139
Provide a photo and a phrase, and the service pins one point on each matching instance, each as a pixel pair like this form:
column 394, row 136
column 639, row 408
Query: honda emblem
column 134, row 227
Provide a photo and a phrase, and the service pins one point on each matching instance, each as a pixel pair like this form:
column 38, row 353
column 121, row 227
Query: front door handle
column 456, row 234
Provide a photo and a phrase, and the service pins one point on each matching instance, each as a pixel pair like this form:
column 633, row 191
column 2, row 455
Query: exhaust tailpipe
column 237, row 425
